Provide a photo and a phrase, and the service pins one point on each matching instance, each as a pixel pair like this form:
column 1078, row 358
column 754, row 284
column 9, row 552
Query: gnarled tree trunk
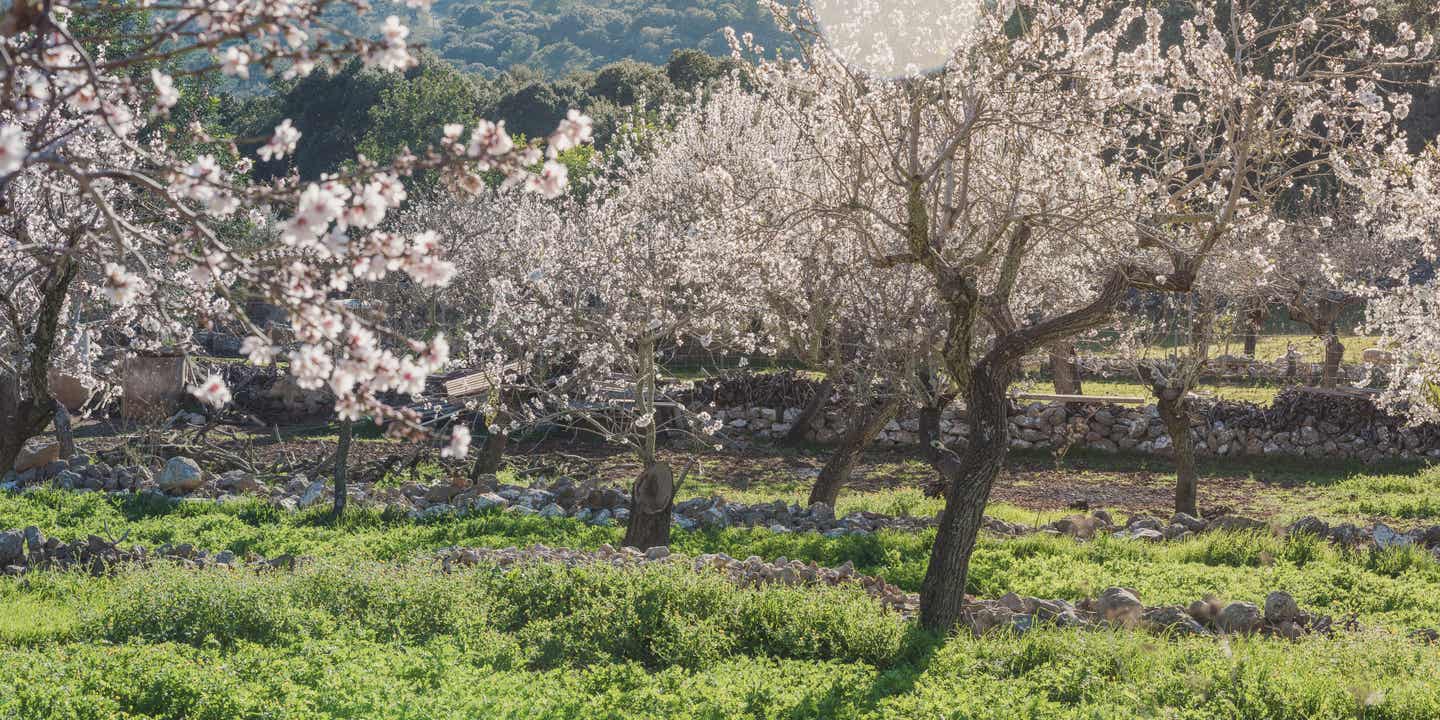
column 492, row 452
column 1174, row 413
column 22, row 419
column 858, row 436
column 968, row 478
column 1334, row 355
column 1065, row 368
column 813, row 407
column 1254, row 317
column 651, row 500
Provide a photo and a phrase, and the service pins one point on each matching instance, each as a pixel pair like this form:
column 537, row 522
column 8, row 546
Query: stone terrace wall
column 1299, row 423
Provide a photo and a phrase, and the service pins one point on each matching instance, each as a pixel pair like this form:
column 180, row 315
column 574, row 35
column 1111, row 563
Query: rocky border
column 26, row 550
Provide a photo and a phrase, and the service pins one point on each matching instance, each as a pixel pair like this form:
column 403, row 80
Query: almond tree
column 1404, row 207
column 144, row 217
column 865, row 327
column 1063, row 140
column 588, row 299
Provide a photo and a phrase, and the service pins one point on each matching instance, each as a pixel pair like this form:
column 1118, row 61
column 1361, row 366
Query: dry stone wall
column 1299, row 423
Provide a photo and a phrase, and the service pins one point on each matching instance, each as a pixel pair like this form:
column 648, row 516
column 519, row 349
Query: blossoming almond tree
column 582, row 301
column 867, row 328
column 1064, row 139
column 145, row 220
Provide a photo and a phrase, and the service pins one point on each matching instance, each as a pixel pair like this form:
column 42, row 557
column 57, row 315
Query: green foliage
column 370, row 628
column 413, row 113
column 560, row 37
column 360, row 640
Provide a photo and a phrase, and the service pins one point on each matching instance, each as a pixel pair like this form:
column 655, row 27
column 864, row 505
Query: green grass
column 370, row 629
column 341, row 639
column 1258, row 393
column 1395, row 589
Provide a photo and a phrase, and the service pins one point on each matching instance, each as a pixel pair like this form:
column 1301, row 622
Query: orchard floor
column 370, row 629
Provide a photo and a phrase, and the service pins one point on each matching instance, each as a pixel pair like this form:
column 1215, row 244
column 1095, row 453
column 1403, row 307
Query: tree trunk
column 1254, row 318
column 1175, row 414
column 652, row 498
column 1065, row 369
column 63, row 432
column 13, row 419
column 342, row 464
column 1334, row 354
column 836, row 472
column 812, row 410
column 968, row 480
column 492, row 452
column 20, row 419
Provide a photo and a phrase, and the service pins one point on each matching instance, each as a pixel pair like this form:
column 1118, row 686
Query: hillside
column 559, row 37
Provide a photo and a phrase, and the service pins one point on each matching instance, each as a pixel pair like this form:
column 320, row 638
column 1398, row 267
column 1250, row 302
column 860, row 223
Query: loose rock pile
column 24, row 550
column 607, row 505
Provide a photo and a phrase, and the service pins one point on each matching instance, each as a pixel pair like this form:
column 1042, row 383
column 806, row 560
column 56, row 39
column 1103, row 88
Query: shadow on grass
column 918, row 649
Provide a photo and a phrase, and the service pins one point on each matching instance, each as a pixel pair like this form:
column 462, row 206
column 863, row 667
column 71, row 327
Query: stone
column 313, row 494
column 485, row 501
column 1385, row 537
column 12, row 548
column 989, row 617
column 151, row 388
column 238, row 481
column 1190, row 522
column 1146, row 534
column 181, row 474
column 1309, row 525
column 34, row 540
column 37, row 454
column 1171, row 619
column 1239, row 618
column 714, row 516
column 1145, row 522
column 658, row 552
column 822, row 511
column 1280, row 607
column 1119, row 605
column 1077, row 526
column 552, row 511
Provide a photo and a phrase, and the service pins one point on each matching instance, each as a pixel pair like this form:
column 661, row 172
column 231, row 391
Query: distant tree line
column 360, row 110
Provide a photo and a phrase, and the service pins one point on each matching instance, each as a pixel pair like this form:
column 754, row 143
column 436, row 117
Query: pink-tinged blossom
column 459, row 445
column 551, row 181
column 121, row 286
column 235, row 62
column 166, row 96
column 281, row 143
column 257, row 350
column 213, row 391
column 575, row 130
column 13, row 149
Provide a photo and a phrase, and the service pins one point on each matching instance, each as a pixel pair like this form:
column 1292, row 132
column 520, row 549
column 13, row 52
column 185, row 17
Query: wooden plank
column 478, row 382
column 1116, row 399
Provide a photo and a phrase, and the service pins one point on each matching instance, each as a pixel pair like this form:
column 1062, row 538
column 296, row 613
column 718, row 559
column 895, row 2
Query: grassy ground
column 370, row 630
column 1254, row 392
column 364, row 641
